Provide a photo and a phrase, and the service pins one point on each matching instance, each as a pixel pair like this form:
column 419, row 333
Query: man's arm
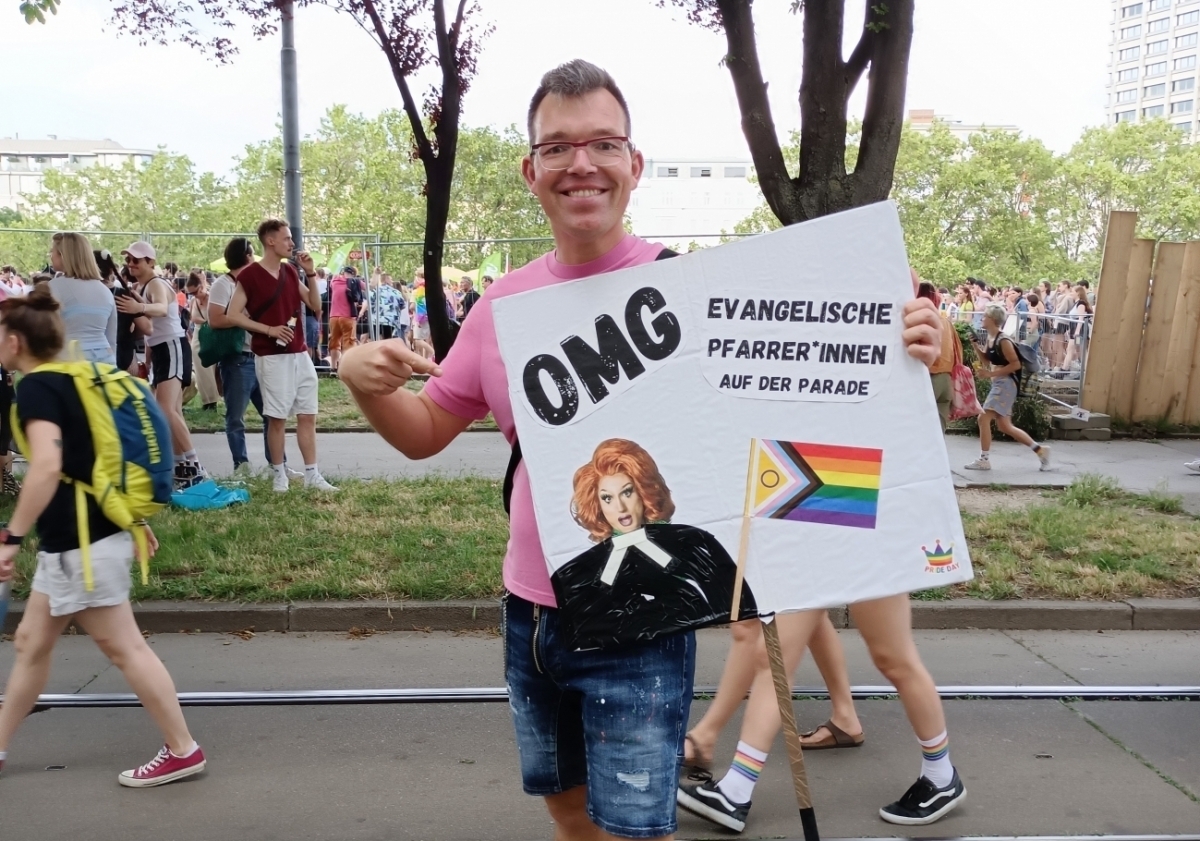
column 412, row 423
column 309, row 294
column 235, row 317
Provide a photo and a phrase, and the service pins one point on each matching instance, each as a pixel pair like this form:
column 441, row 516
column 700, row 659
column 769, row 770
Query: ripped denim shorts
column 612, row 720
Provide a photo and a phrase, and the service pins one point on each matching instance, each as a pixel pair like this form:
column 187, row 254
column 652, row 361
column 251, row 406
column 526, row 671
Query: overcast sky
column 1036, row 64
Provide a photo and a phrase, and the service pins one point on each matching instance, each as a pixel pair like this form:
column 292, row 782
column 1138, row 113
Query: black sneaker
column 707, row 801
column 924, row 802
column 185, row 476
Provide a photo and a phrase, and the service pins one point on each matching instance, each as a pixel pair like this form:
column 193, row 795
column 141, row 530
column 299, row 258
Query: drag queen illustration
column 646, row 576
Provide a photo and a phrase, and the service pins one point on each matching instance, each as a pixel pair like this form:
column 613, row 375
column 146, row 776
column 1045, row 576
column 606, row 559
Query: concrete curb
column 954, row 614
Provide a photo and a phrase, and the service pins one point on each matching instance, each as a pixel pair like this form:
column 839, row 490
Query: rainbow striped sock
column 738, row 784
column 935, row 760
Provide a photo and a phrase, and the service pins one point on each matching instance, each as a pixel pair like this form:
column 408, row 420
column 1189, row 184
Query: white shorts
column 59, row 576
column 288, row 382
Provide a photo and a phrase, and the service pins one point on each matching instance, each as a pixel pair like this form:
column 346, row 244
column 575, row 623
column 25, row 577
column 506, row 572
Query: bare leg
column 276, row 429
column 571, row 821
column 827, row 653
column 736, row 679
column 169, row 395
column 34, row 643
column 985, row 430
column 1009, row 428
column 886, row 627
column 306, row 437
column 116, row 632
column 761, row 722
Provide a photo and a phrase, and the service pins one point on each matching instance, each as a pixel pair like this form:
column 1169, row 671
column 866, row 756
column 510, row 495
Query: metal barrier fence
column 1062, row 343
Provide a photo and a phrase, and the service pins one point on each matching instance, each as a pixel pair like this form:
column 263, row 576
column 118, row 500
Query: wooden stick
column 791, row 737
column 744, row 542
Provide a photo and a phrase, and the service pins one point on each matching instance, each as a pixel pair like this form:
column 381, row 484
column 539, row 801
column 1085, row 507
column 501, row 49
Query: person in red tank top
column 268, row 303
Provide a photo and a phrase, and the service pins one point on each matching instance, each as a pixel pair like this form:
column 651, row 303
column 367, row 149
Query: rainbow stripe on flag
column 816, row 483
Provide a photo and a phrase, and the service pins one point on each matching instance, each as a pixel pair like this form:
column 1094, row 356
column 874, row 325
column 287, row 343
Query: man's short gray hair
column 997, row 314
column 575, row 79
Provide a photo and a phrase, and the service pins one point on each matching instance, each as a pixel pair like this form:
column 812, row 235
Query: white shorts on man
column 288, row 382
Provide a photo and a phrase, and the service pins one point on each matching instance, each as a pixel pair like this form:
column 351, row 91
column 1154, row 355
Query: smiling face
column 585, row 203
column 620, row 504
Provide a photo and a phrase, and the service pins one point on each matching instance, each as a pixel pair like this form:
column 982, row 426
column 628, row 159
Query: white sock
column 985, row 455
column 310, row 471
column 188, row 752
column 738, row 783
column 190, row 455
column 935, row 760
column 3, row 755
column 280, row 469
column 1035, row 446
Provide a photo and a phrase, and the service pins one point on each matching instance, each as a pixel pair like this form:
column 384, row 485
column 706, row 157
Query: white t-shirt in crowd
column 220, row 294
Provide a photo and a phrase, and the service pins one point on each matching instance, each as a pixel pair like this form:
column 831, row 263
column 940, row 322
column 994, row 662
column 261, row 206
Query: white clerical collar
column 624, row 542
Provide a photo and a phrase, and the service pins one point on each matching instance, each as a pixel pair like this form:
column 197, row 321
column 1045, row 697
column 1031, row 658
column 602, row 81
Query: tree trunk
column 442, row 331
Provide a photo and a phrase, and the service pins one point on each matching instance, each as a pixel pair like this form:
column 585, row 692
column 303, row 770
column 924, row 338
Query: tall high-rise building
column 1153, row 67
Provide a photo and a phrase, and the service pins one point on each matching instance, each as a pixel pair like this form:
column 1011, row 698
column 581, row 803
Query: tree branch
column 458, row 19
column 883, row 120
column 758, row 125
column 823, row 180
column 856, row 65
column 424, row 149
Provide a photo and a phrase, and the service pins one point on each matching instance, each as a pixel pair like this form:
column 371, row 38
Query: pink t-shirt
column 473, row 383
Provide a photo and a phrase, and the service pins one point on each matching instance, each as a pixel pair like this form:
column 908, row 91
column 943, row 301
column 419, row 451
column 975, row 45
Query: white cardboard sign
column 767, row 384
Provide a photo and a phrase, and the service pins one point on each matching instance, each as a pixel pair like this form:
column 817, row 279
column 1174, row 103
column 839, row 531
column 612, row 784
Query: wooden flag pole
column 791, row 737
column 744, row 542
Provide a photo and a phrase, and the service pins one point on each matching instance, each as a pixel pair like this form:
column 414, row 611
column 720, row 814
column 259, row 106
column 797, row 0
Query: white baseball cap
column 141, row 250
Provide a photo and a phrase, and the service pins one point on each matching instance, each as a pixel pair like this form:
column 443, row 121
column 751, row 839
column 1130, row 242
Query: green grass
column 437, row 538
column 422, row 539
column 1089, row 541
column 337, row 411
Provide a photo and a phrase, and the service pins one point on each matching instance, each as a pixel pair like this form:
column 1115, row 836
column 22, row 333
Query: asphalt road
column 448, row 771
column 1137, row 465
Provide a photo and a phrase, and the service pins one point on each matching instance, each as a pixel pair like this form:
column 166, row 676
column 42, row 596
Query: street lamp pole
column 291, row 124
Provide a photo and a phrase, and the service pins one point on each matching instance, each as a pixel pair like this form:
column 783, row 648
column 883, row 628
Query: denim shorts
column 611, row 720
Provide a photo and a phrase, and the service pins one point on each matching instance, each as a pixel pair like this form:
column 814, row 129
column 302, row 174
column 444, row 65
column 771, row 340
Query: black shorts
column 7, row 392
column 386, row 331
column 171, row 360
column 1061, row 327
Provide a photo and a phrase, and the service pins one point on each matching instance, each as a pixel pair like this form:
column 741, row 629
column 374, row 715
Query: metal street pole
column 291, row 124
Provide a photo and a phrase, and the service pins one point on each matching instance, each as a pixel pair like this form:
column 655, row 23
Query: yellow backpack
column 133, row 476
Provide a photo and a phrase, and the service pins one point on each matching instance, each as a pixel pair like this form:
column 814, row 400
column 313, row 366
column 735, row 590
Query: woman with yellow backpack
column 88, row 523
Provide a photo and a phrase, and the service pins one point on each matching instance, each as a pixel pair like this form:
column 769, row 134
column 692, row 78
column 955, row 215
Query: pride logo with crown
column 939, row 560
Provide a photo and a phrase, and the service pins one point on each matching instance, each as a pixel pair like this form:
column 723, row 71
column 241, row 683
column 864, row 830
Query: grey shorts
column 59, row 576
column 1002, row 396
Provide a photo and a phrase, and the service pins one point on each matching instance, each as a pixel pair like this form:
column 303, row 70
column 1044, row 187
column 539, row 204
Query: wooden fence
column 1144, row 357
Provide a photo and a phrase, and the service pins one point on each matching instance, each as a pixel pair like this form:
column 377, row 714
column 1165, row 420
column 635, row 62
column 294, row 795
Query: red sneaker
column 164, row 768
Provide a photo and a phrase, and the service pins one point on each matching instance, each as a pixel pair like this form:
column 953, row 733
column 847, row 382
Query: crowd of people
column 1053, row 318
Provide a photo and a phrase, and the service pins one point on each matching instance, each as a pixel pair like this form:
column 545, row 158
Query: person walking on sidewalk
column 55, row 424
column 1004, row 370
column 169, row 354
column 746, row 659
column 273, row 291
column 574, row 750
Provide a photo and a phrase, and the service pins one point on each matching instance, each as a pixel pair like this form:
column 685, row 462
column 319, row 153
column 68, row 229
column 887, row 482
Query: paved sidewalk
column 1138, row 465
column 449, row 771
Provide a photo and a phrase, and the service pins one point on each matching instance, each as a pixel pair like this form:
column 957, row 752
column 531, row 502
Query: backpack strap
column 510, row 475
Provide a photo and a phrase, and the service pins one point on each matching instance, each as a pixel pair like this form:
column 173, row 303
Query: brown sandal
column 837, row 738
column 700, row 768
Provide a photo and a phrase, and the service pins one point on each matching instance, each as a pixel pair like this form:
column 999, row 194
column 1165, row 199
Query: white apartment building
column 23, row 162
column 679, row 199
column 922, row 120
column 1153, row 66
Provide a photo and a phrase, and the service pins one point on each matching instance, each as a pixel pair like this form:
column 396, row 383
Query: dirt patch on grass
column 987, row 500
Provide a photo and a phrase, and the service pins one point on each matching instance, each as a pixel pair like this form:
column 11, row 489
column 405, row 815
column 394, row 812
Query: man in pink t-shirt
column 599, row 732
